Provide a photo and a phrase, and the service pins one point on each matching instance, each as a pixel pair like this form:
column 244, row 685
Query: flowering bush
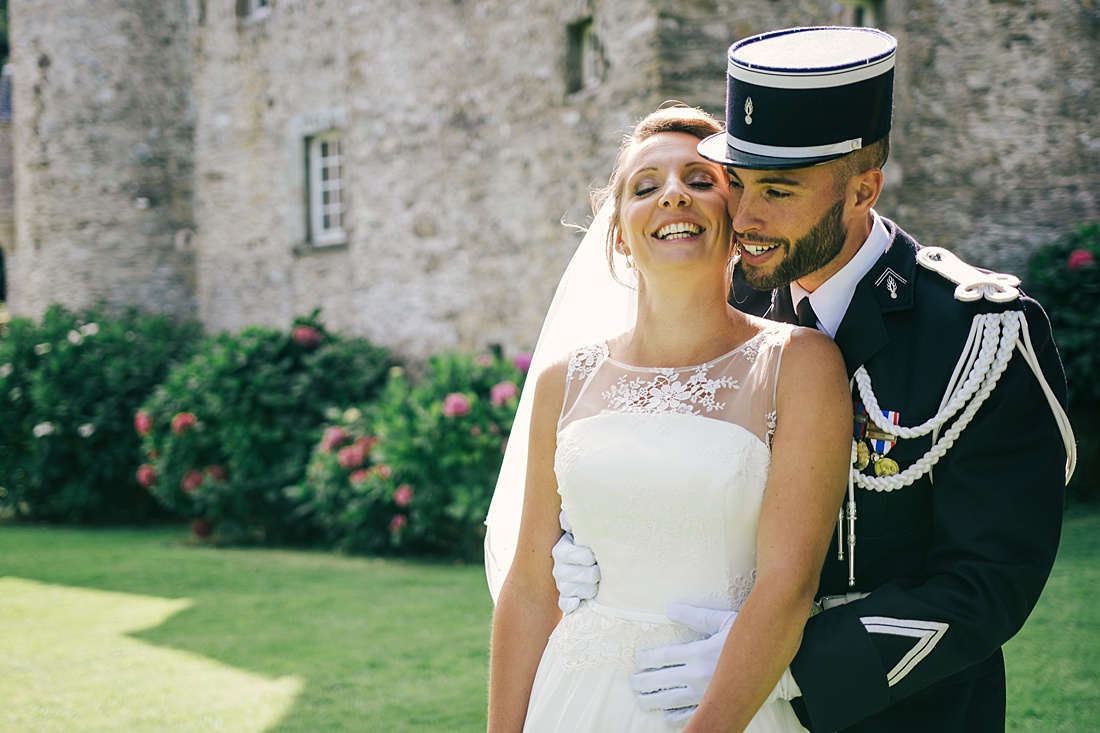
column 347, row 495
column 432, row 448
column 232, row 428
column 1065, row 277
column 69, row 388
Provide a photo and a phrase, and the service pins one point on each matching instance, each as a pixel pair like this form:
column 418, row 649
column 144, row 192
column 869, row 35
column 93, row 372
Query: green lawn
column 1054, row 662
column 134, row 631
column 296, row 641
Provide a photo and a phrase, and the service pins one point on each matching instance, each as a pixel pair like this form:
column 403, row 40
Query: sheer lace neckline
column 747, row 344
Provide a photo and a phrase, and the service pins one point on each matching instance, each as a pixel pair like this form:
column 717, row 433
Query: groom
column 954, row 543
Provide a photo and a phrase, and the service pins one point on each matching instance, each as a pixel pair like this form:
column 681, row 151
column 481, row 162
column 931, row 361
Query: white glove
column 672, row 679
column 575, row 571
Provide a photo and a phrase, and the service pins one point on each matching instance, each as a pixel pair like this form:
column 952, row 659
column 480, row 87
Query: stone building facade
column 406, row 168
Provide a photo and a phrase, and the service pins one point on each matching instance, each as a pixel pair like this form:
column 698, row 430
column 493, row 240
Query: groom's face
column 789, row 225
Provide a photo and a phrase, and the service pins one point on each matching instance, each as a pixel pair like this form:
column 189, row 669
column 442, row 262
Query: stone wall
column 997, row 124
column 464, row 147
column 463, row 154
column 102, row 137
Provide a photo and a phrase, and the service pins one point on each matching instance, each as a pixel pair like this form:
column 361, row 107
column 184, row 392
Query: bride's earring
column 621, row 248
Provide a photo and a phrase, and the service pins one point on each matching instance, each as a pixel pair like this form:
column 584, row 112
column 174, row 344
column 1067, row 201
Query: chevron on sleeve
column 927, row 634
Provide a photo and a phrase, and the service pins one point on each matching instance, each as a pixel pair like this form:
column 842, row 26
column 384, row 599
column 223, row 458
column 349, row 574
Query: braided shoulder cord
column 987, row 328
column 981, row 378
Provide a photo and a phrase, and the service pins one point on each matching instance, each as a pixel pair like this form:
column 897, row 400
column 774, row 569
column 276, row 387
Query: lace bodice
column 733, row 388
column 662, row 472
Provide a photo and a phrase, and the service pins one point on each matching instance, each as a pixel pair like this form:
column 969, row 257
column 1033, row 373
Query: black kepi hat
column 804, row 96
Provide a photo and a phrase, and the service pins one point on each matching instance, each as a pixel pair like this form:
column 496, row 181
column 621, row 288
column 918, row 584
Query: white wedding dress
column 662, row 473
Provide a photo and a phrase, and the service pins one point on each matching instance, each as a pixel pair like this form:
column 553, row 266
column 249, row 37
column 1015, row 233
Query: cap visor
column 716, row 148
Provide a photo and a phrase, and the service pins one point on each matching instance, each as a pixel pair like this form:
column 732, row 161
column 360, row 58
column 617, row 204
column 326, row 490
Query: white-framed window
column 859, row 13
column 326, row 189
column 253, row 9
column 584, row 60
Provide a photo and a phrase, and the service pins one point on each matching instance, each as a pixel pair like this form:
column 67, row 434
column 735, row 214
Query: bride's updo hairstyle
column 676, row 118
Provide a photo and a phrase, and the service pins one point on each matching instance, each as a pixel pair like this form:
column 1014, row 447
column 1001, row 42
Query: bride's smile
column 673, row 206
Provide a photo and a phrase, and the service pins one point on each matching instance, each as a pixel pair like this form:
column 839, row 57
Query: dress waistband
column 628, row 614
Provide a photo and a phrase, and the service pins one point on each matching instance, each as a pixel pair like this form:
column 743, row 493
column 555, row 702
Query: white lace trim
column 587, row 638
column 584, row 361
column 665, row 392
column 771, row 421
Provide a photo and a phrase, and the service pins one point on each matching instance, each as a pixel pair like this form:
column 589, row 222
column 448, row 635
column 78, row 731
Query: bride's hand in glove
column 672, row 679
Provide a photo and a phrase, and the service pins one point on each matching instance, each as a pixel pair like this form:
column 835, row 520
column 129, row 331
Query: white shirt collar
column 830, row 300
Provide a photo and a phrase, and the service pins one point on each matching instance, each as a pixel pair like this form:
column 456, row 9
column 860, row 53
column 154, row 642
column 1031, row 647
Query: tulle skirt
column 595, row 696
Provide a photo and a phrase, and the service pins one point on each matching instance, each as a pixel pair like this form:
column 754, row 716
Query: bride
column 701, row 454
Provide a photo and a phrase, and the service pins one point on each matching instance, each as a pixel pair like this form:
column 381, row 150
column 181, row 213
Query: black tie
column 806, row 315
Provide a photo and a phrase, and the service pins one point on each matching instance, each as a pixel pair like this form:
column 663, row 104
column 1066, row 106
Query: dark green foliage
column 69, row 388
column 1065, row 277
column 252, row 405
column 435, row 448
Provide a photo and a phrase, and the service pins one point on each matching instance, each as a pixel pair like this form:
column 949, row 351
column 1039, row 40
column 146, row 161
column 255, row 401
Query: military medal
column 863, row 456
column 871, row 446
column 886, row 466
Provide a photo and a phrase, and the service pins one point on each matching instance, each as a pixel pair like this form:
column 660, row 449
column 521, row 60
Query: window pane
column 326, row 208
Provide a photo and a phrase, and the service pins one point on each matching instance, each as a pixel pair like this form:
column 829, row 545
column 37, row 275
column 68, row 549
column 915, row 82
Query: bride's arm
column 527, row 608
column 810, row 456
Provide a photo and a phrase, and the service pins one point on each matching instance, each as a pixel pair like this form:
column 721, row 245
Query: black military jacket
column 955, row 562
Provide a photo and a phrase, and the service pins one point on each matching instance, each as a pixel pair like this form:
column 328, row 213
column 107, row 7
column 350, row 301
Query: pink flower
column 351, row 456
column 501, row 393
column 202, row 528
column 146, row 476
column 332, row 438
column 217, row 473
column 182, row 422
column 483, row 359
column 306, row 336
column 383, row 470
column 455, row 405
column 398, row 523
column 191, row 480
column 366, row 444
column 358, row 476
column 1079, row 258
column 402, row 495
column 522, row 361
column 143, row 422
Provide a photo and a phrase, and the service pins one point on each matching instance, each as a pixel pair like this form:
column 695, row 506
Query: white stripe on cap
column 810, row 151
column 810, row 78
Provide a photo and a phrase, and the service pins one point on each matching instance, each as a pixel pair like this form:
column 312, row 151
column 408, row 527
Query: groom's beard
column 809, row 254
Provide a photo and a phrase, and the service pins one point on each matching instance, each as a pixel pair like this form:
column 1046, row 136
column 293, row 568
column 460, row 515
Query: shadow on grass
column 376, row 644
column 402, row 645
column 72, row 667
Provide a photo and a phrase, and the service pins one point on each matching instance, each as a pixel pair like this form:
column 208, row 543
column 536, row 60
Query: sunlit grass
column 373, row 644
column 69, row 666
column 118, row 628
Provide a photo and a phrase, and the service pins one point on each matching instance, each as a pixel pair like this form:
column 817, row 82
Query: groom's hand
column 575, row 571
column 673, row 678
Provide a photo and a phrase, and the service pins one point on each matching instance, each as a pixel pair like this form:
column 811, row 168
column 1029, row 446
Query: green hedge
column 69, row 387
column 232, row 428
column 415, row 469
column 1065, row 277
column 281, row 436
